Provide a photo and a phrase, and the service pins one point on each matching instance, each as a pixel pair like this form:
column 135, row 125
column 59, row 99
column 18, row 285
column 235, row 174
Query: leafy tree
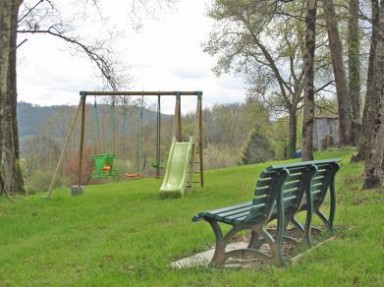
column 264, row 40
column 344, row 102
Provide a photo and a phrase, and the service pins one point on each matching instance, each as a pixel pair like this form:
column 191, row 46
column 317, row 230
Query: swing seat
column 104, row 166
column 133, row 175
column 157, row 164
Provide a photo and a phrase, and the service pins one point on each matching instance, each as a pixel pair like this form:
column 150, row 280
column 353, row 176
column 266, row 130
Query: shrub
column 40, row 180
column 258, row 149
column 219, row 155
column 72, row 167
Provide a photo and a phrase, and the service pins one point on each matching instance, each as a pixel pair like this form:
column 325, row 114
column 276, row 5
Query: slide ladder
column 195, row 170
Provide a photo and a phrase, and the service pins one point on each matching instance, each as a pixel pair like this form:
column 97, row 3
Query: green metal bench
column 281, row 192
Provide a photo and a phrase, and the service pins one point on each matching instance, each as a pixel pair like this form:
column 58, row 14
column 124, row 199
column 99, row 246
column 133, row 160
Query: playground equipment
column 184, row 156
column 176, row 175
column 104, row 162
column 104, row 166
column 158, row 164
column 196, row 155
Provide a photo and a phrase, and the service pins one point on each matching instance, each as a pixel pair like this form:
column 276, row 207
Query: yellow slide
column 177, row 169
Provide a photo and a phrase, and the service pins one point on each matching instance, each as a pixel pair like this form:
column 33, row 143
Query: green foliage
column 37, row 179
column 258, row 149
column 40, row 180
column 122, row 234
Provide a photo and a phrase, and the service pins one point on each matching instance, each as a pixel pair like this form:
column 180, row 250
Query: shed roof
column 323, row 116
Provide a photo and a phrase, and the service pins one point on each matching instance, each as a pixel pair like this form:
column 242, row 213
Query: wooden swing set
column 104, row 162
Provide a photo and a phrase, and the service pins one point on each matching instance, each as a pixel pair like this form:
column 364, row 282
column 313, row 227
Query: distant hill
column 33, row 119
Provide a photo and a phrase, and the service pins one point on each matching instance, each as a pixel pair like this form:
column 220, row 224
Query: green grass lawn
column 122, row 234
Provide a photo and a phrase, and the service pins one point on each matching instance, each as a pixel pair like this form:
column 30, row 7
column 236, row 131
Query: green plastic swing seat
column 104, row 166
column 157, row 164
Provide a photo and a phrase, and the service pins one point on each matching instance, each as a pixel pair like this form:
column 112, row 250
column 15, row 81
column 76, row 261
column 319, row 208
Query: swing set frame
column 177, row 130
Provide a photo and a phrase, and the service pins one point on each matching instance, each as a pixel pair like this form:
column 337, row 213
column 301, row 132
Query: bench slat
column 265, row 182
column 211, row 213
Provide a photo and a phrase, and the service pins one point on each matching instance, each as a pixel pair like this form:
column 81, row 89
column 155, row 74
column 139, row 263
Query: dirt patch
column 294, row 247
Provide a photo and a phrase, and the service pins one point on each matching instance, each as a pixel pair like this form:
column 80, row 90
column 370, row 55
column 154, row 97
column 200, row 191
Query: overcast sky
column 165, row 54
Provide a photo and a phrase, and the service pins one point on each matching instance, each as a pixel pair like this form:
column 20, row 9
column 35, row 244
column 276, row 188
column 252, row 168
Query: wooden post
column 66, row 142
column 82, row 131
column 177, row 119
column 199, row 140
column 158, row 137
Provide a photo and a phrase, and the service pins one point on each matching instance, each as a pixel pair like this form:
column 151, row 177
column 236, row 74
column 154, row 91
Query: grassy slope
column 121, row 234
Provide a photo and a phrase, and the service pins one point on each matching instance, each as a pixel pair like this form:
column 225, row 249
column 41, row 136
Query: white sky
column 165, row 55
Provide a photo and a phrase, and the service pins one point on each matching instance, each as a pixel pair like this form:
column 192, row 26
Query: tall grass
column 122, row 234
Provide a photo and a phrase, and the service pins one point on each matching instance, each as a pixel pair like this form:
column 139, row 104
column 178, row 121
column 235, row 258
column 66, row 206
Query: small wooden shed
column 326, row 131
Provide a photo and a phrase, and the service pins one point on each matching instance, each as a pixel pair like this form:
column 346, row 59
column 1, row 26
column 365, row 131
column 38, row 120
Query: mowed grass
column 122, row 234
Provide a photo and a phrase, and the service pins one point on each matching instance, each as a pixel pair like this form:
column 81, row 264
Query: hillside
column 122, row 234
column 32, row 118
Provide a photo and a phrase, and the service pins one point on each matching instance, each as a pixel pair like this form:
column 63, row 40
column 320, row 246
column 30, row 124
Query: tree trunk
column 5, row 39
column 309, row 95
column 292, row 134
column 343, row 100
column 368, row 113
column 354, row 67
column 374, row 159
column 18, row 177
column 10, row 174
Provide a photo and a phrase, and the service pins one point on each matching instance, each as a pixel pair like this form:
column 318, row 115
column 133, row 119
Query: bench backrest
column 323, row 180
column 268, row 187
column 291, row 184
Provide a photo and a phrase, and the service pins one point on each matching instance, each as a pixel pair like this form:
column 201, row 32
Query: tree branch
column 102, row 62
column 323, row 87
column 30, row 10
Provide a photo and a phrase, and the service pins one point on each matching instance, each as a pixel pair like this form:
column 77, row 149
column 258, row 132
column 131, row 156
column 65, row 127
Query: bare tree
column 10, row 172
column 354, row 67
column 44, row 18
column 344, row 104
column 369, row 110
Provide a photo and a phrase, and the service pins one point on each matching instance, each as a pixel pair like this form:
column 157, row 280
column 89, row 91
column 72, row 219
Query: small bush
column 40, row 180
column 219, row 155
column 72, row 167
column 257, row 149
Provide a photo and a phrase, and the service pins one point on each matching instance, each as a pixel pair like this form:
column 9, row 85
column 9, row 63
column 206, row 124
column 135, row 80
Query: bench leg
column 219, row 257
column 260, row 236
column 256, row 241
column 326, row 221
column 332, row 209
